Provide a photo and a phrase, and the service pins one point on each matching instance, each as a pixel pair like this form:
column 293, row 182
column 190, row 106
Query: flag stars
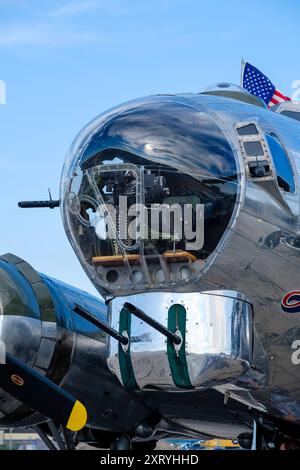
column 259, row 85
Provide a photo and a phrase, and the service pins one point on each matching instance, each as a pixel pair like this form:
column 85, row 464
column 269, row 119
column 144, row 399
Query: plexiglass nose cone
column 147, row 193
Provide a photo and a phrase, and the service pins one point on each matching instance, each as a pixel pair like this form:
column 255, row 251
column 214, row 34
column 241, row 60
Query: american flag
column 259, row 85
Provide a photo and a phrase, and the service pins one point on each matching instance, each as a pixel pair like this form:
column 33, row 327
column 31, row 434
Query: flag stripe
column 280, row 95
column 276, row 98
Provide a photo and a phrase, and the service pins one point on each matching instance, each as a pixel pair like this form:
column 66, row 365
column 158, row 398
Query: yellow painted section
column 115, row 260
column 220, row 443
column 78, row 417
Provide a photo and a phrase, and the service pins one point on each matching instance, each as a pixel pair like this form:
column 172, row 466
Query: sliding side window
column 285, row 176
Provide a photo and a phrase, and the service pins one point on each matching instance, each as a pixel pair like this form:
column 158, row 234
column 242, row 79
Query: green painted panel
column 126, row 368
column 177, row 361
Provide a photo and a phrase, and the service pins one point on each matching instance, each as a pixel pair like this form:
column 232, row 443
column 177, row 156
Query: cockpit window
column 291, row 114
column 285, row 176
column 253, row 148
column 248, row 129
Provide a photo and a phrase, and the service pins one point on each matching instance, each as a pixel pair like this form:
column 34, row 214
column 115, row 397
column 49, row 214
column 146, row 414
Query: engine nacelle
column 39, row 327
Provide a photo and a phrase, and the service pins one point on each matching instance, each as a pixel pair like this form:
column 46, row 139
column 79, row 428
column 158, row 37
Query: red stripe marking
column 285, row 98
column 286, row 298
column 276, row 92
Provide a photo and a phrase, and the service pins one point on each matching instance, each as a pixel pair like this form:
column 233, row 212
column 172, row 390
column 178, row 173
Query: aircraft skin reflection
column 206, row 322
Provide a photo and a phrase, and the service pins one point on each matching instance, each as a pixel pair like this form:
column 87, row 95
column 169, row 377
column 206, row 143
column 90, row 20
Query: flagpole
column 243, row 63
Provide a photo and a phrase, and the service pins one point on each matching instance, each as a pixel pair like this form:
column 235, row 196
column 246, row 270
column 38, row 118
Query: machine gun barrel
column 50, row 204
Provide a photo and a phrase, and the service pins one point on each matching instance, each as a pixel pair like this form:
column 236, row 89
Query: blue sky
column 64, row 62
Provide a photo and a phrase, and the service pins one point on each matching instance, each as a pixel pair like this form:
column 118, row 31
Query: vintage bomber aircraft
column 194, row 342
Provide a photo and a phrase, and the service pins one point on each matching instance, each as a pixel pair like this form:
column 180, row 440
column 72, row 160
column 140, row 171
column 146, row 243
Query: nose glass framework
column 148, row 197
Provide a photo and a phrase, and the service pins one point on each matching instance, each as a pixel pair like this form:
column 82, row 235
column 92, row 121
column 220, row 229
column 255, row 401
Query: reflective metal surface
column 257, row 254
column 218, row 334
column 158, row 152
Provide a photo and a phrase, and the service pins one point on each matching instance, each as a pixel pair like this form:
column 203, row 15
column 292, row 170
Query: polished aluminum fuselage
column 257, row 258
column 247, row 262
column 263, row 271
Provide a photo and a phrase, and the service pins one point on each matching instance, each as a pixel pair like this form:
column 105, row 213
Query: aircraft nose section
column 148, row 191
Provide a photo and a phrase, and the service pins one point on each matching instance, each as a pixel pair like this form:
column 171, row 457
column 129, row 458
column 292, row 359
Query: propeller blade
column 42, row 395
